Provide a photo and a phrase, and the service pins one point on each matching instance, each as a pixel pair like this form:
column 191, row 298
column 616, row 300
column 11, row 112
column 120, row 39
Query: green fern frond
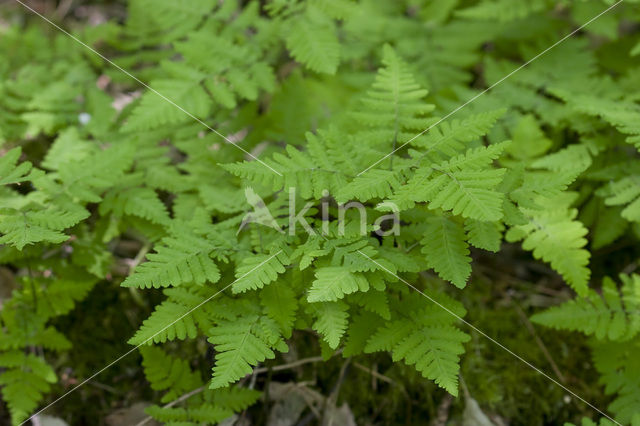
column 484, row 235
column 154, row 111
column 426, row 339
column 625, row 192
column 333, row 282
column 619, row 366
column 203, row 414
column 175, row 318
column 168, row 373
column 30, row 226
column 25, row 381
column 502, row 10
column 614, row 315
column 311, row 172
column 446, row 249
column 464, row 185
column 241, row 343
column 331, row 321
column 280, row 304
column 259, row 270
column 393, row 108
column 312, row 40
column 372, row 184
column 160, row 326
column 10, row 171
column 556, row 237
column 448, row 139
column 163, row 22
column 178, row 260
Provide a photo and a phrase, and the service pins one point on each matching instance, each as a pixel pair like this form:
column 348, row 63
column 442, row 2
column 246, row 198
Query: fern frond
column 171, row 319
column 312, row 41
column 280, row 304
column 12, row 172
column 21, row 228
column 484, row 235
column 331, row 321
column 154, row 111
column 464, row 185
column 88, row 178
column 619, row 366
column 24, row 382
column 178, row 260
column 259, row 270
column 393, row 108
column 502, row 10
column 614, row 315
column 446, row 249
column 140, row 202
column 168, row 373
column 427, row 340
column 333, row 282
column 372, row 184
column 625, row 192
column 556, row 237
column 154, row 22
column 158, row 327
column 241, row 343
column 450, row 138
column 203, row 414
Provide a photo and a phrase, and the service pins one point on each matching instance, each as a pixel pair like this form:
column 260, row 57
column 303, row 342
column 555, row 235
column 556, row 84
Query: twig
column 375, row 374
column 136, row 260
column 332, row 399
column 539, row 341
column 292, row 364
column 630, row 268
column 104, row 387
column 288, row 366
column 63, row 9
column 442, row 414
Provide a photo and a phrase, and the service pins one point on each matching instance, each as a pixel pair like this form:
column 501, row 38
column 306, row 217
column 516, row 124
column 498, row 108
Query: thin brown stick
column 539, row 341
column 380, row 376
column 290, row 365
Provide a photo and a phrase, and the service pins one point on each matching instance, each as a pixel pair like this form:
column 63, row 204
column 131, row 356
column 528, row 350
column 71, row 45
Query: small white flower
column 84, row 118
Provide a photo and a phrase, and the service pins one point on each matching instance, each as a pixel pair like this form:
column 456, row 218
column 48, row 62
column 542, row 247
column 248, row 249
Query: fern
column 625, row 192
column 10, row 171
column 167, row 373
column 25, row 381
column 312, row 40
column 614, row 315
column 259, row 270
column 555, row 237
column 29, row 226
column 332, row 283
column 459, row 185
column 185, row 259
column 176, row 318
column 331, row 321
column 402, row 112
column 428, row 340
column 446, row 250
column 241, row 343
